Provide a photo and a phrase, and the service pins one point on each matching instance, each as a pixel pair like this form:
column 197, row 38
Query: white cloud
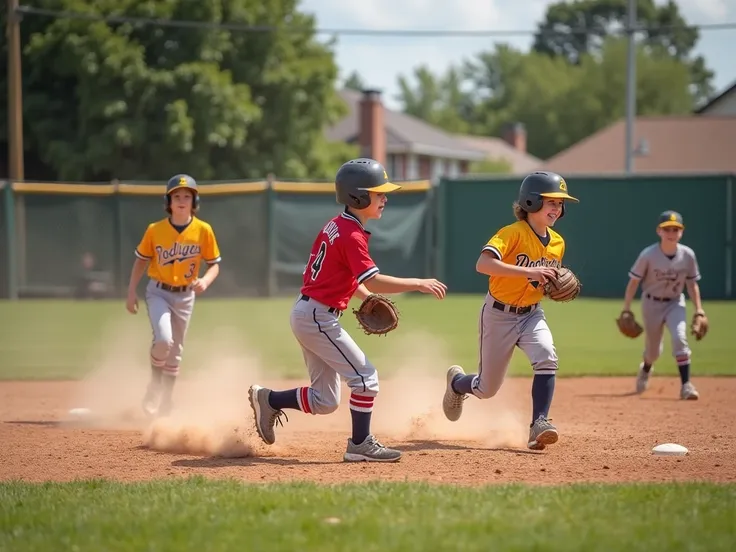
column 381, row 59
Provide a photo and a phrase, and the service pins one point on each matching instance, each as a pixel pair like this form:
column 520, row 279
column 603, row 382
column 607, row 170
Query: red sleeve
column 359, row 260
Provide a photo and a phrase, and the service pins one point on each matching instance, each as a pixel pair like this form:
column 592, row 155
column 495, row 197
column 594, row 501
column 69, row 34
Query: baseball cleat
column 541, row 434
column 642, row 379
column 452, row 403
column 689, row 393
column 370, row 450
column 265, row 416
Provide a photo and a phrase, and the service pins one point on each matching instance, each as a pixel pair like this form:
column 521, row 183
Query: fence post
column 729, row 236
column 117, row 267
column 12, row 260
column 271, row 283
column 441, row 208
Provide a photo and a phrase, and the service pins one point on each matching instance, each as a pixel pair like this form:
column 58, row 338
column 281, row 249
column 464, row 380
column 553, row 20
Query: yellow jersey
column 518, row 244
column 175, row 256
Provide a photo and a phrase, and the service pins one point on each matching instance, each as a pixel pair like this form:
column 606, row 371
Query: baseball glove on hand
column 699, row 325
column 628, row 325
column 377, row 315
column 565, row 287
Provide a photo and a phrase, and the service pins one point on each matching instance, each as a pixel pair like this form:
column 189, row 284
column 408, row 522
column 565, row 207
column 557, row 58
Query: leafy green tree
column 666, row 30
column 354, row 82
column 129, row 101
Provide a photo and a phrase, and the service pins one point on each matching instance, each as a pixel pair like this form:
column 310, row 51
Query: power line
column 58, row 14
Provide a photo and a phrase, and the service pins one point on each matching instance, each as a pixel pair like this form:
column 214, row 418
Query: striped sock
column 361, row 408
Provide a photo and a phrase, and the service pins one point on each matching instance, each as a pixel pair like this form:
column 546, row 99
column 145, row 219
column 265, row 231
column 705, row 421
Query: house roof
column 678, row 144
column 404, row 133
column 720, row 97
column 497, row 148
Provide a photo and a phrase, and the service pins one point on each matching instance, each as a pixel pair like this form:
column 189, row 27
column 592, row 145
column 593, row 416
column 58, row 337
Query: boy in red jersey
column 339, row 268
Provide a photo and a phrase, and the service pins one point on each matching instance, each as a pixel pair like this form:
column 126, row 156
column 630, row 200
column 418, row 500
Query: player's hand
column 132, row 303
column 199, row 286
column 435, row 287
column 541, row 274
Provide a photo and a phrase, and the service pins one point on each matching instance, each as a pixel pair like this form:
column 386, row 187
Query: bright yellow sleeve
column 145, row 247
column 210, row 249
column 503, row 241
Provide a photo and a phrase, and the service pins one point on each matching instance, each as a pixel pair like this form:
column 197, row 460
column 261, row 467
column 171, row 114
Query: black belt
column 175, row 289
column 660, row 299
column 331, row 310
column 515, row 310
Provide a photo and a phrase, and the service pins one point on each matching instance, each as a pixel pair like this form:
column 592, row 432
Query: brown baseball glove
column 565, row 287
column 377, row 314
column 628, row 325
column 699, row 325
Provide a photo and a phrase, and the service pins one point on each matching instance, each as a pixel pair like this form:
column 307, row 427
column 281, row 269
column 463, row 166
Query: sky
column 380, row 60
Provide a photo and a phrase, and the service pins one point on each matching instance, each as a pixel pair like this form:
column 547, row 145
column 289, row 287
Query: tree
column 121, row 100
column 666, row 30
column 354, row 82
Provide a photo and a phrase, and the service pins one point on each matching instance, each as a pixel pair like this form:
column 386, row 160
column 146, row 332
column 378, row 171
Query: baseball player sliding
column 518, row 260
column 664, row 269
column 172, row 248
column 339, row 268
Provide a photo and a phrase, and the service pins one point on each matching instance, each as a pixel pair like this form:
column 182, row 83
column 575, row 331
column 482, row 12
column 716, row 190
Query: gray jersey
column 664, row 277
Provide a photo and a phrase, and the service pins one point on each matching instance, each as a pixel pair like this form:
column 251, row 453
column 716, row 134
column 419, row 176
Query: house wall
column 414, row 167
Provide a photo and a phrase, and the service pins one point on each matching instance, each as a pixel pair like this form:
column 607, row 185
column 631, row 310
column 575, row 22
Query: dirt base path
column 606, row 434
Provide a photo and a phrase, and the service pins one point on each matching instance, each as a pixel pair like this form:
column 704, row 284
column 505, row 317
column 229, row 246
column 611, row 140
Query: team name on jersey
column 668, row 275
column 332, row 231
column 177, row 252
column 522, row 259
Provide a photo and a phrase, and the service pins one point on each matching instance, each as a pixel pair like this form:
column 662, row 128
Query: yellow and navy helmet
column 538, row 185
column 182, row 181
column 670, row 218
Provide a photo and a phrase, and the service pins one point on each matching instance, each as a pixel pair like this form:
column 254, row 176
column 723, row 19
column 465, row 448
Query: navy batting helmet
column 356, row 178
column 182, row 181
column 538, row 185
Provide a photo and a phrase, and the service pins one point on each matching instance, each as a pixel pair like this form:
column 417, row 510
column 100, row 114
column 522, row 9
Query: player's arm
column 136, row 273
column 211, row 256
column 630, row 292
column 637, row 272
column 361, row 292
column 693, row 288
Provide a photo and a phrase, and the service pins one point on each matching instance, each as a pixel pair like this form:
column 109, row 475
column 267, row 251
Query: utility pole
column 630, row 85
column 15, row 95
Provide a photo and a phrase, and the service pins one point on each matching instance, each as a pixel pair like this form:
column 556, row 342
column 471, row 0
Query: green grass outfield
column 66, row 339
column 196, row 514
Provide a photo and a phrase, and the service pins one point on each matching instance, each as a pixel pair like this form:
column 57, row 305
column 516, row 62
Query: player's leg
column 653, row 319
column 322, row 334
column 181, row 313
column 497, row 337
column 321, row 397
column 537, row 343
column 676, row 320
column 159, row 315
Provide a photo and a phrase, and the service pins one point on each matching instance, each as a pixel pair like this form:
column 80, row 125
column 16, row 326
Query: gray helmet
column 538, row 185
column 356, row 178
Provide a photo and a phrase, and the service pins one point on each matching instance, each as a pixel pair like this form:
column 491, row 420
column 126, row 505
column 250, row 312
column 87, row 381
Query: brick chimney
column 372, row 132
column 515, row 135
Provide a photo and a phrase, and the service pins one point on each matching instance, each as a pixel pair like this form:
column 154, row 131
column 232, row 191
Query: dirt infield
column 606, row 435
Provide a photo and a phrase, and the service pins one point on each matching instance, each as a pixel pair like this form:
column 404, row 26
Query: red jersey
column 339, row 261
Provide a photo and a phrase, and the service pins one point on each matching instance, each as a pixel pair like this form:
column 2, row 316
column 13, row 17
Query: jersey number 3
column 318, row 260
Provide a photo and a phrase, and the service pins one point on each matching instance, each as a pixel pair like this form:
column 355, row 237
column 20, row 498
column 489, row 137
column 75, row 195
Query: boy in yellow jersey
column 518, row 259
column 173, row 249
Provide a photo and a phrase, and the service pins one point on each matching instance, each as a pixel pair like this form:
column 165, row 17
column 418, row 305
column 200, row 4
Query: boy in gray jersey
column 664, row 269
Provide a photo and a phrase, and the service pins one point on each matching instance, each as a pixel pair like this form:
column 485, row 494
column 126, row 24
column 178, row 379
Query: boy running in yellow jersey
column 173, row 249
column 518, row 259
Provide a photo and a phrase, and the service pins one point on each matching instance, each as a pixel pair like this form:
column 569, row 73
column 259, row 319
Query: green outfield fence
column 265, row 229
column 604, row 233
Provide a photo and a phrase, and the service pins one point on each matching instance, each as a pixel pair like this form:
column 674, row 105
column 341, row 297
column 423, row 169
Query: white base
column 669, row 449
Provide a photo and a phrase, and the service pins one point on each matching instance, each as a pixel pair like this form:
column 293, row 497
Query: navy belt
column 515, row 310
column 331, row 310
column 660, row 299
column 174, row 289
